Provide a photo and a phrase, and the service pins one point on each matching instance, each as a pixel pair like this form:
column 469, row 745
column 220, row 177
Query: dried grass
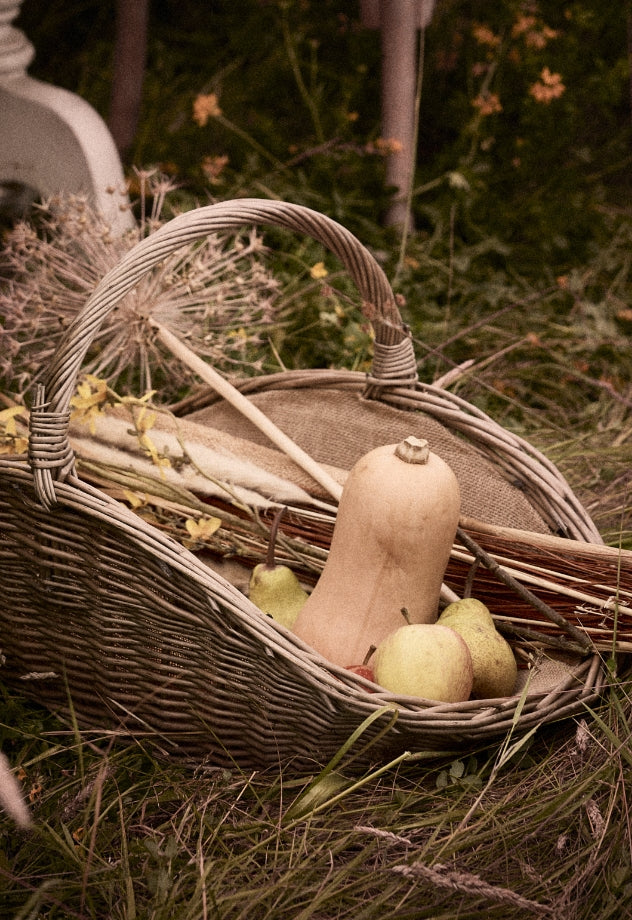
column 122, row 834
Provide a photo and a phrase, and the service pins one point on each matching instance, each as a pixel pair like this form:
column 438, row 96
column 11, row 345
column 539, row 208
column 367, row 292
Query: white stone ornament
column 51, row 140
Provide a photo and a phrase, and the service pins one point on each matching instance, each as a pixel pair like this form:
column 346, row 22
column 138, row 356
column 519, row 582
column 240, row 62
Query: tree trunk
column 399, row 74
column 130, row 50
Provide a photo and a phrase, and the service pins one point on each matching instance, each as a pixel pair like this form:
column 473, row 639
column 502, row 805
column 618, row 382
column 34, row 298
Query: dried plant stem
column 539, row 639
column 181, row 501
column 11, row 799
column 248, row 410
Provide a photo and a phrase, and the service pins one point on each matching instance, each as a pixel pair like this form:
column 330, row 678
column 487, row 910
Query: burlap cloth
column 336, row 427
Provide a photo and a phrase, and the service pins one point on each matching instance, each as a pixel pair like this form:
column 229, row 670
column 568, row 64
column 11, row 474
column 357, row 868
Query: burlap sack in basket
column 103, row 612
column 337, row 426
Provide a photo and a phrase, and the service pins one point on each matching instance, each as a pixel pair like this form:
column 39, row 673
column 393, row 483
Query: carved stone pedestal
column 51, row 140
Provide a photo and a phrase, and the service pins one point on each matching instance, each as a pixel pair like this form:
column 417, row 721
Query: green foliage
column 512, row 101
column 542, row 164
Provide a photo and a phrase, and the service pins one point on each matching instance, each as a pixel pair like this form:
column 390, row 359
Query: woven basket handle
column 394, row 364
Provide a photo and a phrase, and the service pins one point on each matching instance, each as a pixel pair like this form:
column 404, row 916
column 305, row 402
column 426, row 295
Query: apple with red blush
column 364, row 670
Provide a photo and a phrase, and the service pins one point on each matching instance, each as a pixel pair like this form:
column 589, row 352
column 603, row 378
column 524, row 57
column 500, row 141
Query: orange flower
column 523, row 24
column 549, row 87
column 205, row 107
column 536, row 33
column 485, row 36
column 538, row 38
column 487, row 104
column 550, row 79
column 479, row 69
column 388, row 145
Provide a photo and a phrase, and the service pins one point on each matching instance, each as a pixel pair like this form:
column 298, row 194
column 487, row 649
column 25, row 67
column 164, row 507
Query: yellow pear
column 278, row 592
column 468, row 609
column 275, row 589
column 426, row 660
column 494, row 665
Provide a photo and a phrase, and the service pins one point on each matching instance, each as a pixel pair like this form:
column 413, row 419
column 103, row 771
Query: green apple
column 426, row 660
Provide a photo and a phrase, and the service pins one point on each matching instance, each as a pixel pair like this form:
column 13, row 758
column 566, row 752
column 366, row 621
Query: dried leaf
column 134, row 499
column 203, row 528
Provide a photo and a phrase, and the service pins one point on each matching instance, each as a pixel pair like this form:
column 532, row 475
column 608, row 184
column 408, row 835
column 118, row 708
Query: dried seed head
column 216, row 294
column 596, row 819
column 582, row 736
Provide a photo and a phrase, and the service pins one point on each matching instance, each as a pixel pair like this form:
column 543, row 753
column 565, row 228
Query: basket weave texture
column 103, row 612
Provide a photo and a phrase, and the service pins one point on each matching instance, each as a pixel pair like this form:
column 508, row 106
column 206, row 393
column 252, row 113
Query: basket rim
column 515, row 454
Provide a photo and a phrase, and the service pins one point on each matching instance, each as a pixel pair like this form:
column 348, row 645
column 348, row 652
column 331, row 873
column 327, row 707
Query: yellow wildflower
column 202, row 529
column 88, row 402
column 318, row 271
column 10, row 441
column 144, row 422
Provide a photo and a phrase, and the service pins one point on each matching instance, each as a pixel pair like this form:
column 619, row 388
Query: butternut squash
column 394, row 531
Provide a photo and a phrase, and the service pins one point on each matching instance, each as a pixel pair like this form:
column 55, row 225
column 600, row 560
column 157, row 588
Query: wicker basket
column 103, row 612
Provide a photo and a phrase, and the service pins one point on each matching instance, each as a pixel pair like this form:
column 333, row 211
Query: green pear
column 275, row 589
column 426, row 660
column 469, row 609
column 493, row 661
